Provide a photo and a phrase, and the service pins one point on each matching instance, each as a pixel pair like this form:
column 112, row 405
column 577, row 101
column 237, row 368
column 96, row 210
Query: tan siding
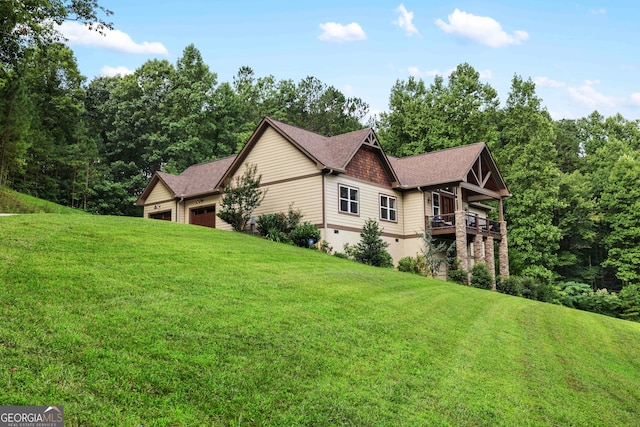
column 160, row 193
column 278, row 159
column 303, row 194
column 160, row 207
column 413, row 212
column 369, row 205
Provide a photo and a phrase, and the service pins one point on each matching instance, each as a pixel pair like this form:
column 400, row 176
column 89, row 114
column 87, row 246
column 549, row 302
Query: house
column 339, row 182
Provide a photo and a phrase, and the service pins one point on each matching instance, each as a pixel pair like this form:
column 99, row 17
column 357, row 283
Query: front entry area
column 205, row 217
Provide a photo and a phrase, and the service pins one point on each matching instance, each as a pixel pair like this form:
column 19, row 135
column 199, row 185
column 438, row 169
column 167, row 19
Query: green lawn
column 14, row 202
column 128, row 321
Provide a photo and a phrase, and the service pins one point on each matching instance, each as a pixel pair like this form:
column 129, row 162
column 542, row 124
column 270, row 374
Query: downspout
column 178, row 207
column 324, row 204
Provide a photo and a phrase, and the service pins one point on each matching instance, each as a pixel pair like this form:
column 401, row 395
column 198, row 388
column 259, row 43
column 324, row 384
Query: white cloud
column 78, row 34
column 547, row 82
column 634, row 99
column 334, row 32
column 404, row 21
column 108, row 71
column 589, row 97
column 481, row 29
column 415, row 71
column 601, row 11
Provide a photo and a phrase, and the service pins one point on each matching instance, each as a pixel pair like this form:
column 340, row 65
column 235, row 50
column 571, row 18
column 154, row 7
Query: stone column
column 504, row 251
column 490, row 257
column 478, row 249
column 461, row 240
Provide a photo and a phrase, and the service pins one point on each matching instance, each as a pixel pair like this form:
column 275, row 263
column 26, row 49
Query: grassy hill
column 135, row 322
column 14, row 202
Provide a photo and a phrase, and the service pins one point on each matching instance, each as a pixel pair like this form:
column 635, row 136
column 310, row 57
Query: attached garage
column 205, row 216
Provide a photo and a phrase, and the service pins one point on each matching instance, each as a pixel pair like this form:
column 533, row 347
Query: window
column 435, row 198
column 165, row 216
column 349, row 200
column 388, row 208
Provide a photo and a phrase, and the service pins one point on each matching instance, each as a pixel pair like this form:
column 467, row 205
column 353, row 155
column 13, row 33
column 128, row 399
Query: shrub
column 630, row 302
column 534, row 289
column 268, row 223
column 341, row 255
column 325, row 247
column 456, row 274
column 510, row 286
column 371, row 249
column 305, row 235
column 276, row 235
column 407, row 265
column 481, row 276
column 284, row 223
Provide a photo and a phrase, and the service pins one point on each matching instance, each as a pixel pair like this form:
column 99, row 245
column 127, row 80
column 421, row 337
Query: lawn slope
column 14, row 202
column 135, row 322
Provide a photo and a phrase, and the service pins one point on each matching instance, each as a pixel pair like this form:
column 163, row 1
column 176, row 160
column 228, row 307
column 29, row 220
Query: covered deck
column 445, row 225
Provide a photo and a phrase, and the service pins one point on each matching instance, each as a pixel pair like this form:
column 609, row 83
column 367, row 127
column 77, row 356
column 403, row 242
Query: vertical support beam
column 500, row 210
column 503, row 251
column 490, row 257
column 478, row 249
column 461, row 240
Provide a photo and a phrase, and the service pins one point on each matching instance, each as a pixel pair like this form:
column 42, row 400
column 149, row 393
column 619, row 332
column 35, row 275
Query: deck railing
column 475, row 224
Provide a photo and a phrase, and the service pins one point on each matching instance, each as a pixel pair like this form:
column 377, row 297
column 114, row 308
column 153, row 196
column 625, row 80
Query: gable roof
column 193, row 181
column 329, row 153
column 450, row 165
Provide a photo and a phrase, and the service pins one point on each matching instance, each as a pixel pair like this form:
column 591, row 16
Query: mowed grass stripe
column 154, row 323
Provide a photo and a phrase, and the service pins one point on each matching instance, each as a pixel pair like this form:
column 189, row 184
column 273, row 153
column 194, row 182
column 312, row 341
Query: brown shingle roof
column 437, row 167
column 203, row 178
column 332, row 152
column 429, row 169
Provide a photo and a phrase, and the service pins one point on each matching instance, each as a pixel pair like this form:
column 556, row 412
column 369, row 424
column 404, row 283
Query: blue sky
column 583, row 55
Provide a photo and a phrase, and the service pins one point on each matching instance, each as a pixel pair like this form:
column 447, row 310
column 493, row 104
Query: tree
column 241, row 197
column 436, row 253
column 621, row 204
column 426, row 119
column 31, row 24
column 59, row 143
column 15, row 118
column 371, row 249
column 190, row 120
column 526, row 156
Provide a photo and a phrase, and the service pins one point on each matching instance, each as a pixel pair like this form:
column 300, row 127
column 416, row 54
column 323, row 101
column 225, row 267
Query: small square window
column 388, row 208
column 349, row 202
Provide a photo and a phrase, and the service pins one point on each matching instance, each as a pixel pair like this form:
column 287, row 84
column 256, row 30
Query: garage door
column 205, row 217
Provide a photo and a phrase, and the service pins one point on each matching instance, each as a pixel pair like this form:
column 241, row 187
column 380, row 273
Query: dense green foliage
column 305, row 235
column 222, row 328
column 481, row 276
